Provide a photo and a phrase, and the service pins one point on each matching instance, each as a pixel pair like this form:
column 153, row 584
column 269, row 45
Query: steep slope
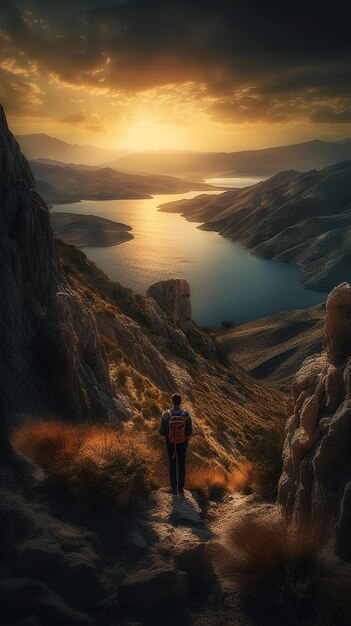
column 264, row 162
column 154, row 336
column 301, row 218
column 273, row 348
column 59, row 184
column 46, row 357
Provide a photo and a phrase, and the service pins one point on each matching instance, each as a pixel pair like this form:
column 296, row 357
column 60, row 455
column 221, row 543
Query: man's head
column 176, row 399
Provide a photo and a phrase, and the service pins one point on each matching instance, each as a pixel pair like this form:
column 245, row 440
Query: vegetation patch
column 96, row 465
column 285, row 573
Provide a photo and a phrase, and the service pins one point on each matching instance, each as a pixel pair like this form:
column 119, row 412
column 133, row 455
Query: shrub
column 96, row 465
column 151, row 409
column 208, row 483
column 111, row 467
column 287, row 573
column 264, row 453
column 122, row 375
column 50, row 444
column 240, row 477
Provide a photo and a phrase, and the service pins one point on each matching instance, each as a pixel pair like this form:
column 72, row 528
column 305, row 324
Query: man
column 176, row 428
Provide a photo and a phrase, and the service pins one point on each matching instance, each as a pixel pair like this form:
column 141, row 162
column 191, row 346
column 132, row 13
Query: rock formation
column 316, row 479
column 173, row 297
column 50, row 352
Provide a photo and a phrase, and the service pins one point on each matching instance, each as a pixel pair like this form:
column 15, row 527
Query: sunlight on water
column 226, row 282
column 235, row 183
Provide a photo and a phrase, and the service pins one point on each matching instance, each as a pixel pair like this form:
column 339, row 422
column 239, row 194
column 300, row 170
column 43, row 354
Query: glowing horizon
column 163, row 75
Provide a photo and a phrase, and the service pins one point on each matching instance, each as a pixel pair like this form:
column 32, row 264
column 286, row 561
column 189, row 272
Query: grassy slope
column 227, row 404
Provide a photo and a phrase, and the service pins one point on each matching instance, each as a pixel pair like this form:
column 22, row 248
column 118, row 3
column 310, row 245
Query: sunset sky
column 179, row 74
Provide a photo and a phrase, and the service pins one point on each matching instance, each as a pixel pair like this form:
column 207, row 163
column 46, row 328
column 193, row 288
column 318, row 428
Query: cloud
column 91, row 121
column 248, row 60
column 74, row 118
column 327, row 116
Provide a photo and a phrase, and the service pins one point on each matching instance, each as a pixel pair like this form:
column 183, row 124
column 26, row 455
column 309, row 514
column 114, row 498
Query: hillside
column 61, row 184
column 303, row 218
column 264, row 162
column 273, row 348
column 89, row 230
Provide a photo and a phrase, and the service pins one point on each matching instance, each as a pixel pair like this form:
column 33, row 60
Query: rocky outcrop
column 173, row 297
column 173, row 300
column 316, row 479
column 51, row 357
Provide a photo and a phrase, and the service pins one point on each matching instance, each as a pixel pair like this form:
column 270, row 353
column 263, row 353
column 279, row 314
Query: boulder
column 194, row 559
column 23, row 599
column 153, row 589
column 316, row 479
column 68, row 574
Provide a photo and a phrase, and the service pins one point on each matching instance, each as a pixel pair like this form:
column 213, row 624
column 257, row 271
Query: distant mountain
column 36, row 146
column 186, row 163
column 265, row 162
column 60, row 184
column 304, row 218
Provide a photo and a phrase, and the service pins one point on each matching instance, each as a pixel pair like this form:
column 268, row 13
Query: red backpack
column 176, row 430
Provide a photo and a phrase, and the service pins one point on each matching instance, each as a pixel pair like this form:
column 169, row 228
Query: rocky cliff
column 316, row 479
column 51, row 356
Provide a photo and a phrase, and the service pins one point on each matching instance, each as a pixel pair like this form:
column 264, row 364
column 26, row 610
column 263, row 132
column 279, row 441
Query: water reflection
column 226, row 282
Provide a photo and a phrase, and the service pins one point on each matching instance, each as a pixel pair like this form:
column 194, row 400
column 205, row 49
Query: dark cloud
column 291, row 57
column 327, row 116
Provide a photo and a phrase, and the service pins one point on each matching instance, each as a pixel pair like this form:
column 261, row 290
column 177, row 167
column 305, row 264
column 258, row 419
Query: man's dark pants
column 180, row 455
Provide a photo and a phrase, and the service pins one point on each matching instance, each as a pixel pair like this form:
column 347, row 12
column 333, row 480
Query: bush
column 96, row 465
column 264, row 453
column 287, row 573
column 240, row 477
column 208, row 483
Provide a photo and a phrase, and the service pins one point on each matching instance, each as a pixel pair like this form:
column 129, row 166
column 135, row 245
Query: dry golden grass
column 288, row 574
column 96, row 465
column 207, row 482
column 240, row 477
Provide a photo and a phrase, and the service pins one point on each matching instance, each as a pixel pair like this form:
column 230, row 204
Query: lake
column 235, row 183
column 227, row 283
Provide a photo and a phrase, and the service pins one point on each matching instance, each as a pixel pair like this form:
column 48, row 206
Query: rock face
column 173, row 297
column 316, row 479
column 50, row 352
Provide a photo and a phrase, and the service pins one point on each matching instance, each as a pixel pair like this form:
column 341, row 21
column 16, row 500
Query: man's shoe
column 173, row 492
column 181, row 492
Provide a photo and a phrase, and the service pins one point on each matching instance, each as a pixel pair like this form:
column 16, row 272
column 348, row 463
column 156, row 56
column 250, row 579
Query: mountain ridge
column 304, row 218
